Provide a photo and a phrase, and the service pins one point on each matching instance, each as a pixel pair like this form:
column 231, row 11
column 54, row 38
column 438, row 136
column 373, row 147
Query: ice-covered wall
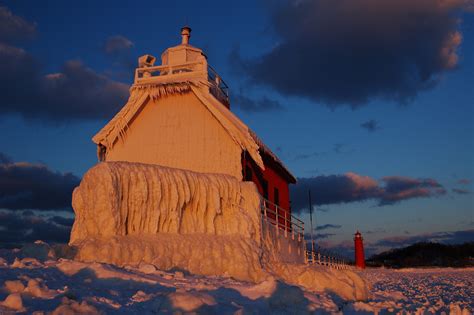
column 122, row 198
column 209, row 224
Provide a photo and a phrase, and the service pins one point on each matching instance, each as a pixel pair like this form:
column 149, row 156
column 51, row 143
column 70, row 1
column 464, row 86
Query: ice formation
column 207, row 224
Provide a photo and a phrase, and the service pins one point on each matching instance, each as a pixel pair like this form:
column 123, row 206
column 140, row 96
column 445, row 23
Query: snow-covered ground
column 68, row 287
column 419, row 291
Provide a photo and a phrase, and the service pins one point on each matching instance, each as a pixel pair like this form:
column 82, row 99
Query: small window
column 276, row 196
column 248, row 173
column 265, row 189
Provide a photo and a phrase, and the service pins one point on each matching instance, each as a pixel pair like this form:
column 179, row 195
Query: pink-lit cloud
column 352, row 187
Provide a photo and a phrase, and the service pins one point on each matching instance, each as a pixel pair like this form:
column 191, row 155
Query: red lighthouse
column 359, row 250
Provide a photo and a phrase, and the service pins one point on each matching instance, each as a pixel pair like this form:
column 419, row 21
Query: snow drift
column 208, row 224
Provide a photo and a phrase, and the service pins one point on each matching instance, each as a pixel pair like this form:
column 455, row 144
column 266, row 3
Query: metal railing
column 325, row 258
column 282, row 219
column 287, row 224
column 189, row 70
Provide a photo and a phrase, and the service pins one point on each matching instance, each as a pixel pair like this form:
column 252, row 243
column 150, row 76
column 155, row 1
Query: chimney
column 185, row 35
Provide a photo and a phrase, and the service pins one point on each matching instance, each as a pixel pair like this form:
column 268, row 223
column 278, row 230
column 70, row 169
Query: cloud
column 328, row 226
column 351, row 52
column 375, row 231
column 25, row 185
column 317, row 236
column 251, row 105
column 400, row 188
column 14, row 28
column 18, row 228
column 351, row 187
column 62, row 221
column 370, row 125
column 464, row 181
column 461, row 191
column 117, row 44
column 75, row 92
column 453, row 237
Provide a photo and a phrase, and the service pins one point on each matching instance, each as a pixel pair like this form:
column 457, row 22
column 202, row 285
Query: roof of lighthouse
column 184, row 69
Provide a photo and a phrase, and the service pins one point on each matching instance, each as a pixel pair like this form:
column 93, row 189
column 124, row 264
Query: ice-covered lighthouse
column 182, row 182
column 179, row 116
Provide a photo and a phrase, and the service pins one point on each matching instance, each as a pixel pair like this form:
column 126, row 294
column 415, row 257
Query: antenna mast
column 311, row 219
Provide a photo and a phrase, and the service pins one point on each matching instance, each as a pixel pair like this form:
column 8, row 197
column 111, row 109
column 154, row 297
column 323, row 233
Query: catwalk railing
column 289, row 225
column 326, row 258
column 282, row 219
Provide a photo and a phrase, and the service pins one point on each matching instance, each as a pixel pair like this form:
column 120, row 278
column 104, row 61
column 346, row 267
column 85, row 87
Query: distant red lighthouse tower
column 359, row 250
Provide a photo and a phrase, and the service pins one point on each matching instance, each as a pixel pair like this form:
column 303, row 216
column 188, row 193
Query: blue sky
column 428, row 134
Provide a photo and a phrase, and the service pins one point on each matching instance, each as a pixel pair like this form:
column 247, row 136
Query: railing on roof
column 282, row 219
column 184, row 72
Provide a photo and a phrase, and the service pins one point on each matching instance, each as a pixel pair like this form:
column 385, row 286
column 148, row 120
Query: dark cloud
column 14, row 28
column 370, row 125
column 456, row 237
column 328, row 226
column 62, row 221
column 75, row 92
column 19, row 228
column 117, row 44
column 351, row 52
column 34, row 186
column 251, row 105
column 5, row 159
column 351, row 187
column 461, row 191
column 319, row 236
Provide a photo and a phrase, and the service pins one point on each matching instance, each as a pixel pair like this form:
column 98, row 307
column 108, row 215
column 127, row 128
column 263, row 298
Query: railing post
column 276, row 215
column 286, row 233
column 265, row 208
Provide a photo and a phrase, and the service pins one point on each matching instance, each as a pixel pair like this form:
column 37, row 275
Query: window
column 248, row 173
column 276, row 196
column 265, row 188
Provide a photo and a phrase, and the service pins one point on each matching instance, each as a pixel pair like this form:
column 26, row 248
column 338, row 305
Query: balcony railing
column 199, row 70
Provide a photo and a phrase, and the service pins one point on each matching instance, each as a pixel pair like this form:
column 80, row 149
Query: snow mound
column 232, row 256
column 14, row 302
column 72, row 307
column 14, row 286
column 38, row 250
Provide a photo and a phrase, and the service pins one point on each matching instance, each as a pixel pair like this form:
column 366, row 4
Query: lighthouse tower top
column 182, row 63
column 357, row 235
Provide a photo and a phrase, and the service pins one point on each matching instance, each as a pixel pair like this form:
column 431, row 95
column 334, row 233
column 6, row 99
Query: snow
column 71, row 287
column 418, row 291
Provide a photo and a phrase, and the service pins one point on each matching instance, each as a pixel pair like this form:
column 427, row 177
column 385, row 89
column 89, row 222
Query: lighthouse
column 359, row 250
